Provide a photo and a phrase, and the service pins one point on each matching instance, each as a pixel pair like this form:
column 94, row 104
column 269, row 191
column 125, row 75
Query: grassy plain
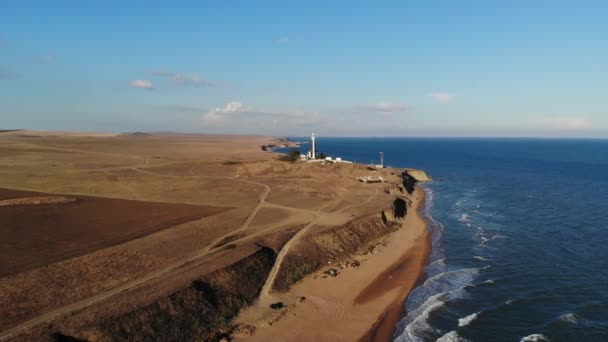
column 160, row 217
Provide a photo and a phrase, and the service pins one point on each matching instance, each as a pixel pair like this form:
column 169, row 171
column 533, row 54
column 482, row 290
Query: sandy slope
column 361, row 303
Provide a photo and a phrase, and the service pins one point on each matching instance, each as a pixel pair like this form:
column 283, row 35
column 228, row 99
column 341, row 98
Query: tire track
column 85, row 303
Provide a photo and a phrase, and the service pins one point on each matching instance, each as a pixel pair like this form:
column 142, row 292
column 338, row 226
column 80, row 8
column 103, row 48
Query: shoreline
column 363, row 304
column 385, row 327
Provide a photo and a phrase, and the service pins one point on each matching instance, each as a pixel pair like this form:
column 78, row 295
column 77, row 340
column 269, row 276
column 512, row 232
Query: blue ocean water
column 520, row 236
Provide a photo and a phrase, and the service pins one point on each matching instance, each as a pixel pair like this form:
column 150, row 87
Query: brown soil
column 34, row 236
column 37, row 200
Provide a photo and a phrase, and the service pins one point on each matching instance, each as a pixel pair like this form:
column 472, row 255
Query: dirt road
column 265, row 295
column 62, row 311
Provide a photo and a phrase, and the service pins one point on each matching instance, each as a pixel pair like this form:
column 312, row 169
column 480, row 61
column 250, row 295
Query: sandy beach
column 362, row 303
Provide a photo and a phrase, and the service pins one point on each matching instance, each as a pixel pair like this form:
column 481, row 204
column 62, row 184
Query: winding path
column 211, row 247
column 265, row 295
column 82, row 304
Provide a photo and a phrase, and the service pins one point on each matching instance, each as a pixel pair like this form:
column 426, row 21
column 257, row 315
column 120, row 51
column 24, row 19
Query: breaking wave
column 569, row 318
column 429, row 297
column 465, row 218
column 442, row 286
column 535, row 338
column 463, row 322
column 452, row 336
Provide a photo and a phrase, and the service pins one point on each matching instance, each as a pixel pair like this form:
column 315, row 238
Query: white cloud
column 563, row 123
column 142, row 84
column 283, row 40
column 235, row 117
column 442, row 97
column 219, row 114
column 387, row 107
column 182, row 79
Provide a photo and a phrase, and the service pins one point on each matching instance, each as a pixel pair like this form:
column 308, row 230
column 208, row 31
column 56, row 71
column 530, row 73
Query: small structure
column 312, row 154
column 371, row 179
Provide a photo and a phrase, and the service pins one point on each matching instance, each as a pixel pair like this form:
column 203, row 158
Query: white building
column 312, row 154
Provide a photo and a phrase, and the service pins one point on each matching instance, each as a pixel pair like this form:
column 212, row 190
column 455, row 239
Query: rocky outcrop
column 411, row 176
column 419, row 175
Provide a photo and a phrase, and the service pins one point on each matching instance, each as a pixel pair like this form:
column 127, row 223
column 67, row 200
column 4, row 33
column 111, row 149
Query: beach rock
column 332, row 272
column 277, row 305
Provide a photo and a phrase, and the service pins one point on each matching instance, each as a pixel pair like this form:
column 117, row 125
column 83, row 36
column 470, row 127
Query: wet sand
column 362, row 303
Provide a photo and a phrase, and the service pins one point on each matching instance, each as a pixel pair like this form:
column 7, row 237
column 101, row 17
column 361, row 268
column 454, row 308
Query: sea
column 520, row 236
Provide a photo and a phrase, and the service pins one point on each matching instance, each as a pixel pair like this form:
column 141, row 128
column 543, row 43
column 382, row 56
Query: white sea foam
column 452, row 336
column 535, row 338
column 489, row 281
column 570, row 318
column 441, row 287
column 429, row 297
column 463, row 322
column 436, row 267
column 509, row 302
column 419, row 327
column 465, row 218
column 438, row 261
column 480, row 258
column 441, row 283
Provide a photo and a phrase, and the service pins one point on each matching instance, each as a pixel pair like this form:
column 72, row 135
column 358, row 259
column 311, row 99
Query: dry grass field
column 154, row 216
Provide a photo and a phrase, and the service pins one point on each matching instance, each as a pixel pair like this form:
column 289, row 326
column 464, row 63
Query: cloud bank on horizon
column 482, row 69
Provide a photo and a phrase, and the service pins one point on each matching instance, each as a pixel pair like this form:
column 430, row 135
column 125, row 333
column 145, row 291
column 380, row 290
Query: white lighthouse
column 313, row 147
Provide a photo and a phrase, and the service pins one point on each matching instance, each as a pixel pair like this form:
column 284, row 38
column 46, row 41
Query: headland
column 200, row 237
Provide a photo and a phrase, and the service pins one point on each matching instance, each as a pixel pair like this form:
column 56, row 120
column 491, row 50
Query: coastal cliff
column 200, row 311
column 205, row 309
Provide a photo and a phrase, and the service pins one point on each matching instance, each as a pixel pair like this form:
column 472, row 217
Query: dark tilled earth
column 32, row 236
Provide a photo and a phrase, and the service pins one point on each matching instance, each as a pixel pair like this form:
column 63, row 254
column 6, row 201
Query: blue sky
column 350, row 68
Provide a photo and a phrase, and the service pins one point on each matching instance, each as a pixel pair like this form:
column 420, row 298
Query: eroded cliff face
column 200, row 312
column 419, row 175
column 339, row 243
column 203, row 310
column 409, row 182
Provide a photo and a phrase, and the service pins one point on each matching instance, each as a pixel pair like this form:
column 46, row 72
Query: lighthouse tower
column 313, row 147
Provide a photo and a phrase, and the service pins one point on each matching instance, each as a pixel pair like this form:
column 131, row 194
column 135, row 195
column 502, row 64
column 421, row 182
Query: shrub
column 292, row 156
